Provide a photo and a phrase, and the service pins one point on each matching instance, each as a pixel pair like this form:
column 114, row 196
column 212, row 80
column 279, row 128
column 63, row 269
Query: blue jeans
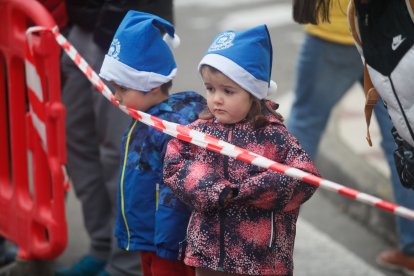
column 325, row 72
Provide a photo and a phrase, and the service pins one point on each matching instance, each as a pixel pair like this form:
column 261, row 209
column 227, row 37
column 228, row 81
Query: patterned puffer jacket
column 254, row 233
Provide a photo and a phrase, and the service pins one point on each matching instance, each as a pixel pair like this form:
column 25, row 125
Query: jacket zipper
column 222, row 249
column 221, row 212
column 157, row 195
column 121, row 184
column 182, row 245
column 272, row 216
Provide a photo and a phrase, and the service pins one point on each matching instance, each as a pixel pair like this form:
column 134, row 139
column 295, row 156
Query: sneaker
column 396, row 260
column 87, row 266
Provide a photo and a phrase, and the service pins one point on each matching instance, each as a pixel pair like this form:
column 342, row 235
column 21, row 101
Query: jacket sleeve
column 272, row 190
column 193, row 181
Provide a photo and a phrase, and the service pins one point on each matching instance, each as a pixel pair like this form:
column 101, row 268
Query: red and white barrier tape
column 219, row 146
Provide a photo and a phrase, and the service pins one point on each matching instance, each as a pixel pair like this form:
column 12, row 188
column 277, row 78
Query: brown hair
column 258, row 110
column 311, row 11
column 165, row 87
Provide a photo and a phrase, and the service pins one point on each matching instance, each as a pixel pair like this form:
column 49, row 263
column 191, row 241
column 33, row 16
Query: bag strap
column 371, row 94
column 371, row 99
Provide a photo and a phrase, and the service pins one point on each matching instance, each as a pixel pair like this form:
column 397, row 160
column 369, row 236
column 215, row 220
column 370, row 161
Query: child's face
column 226, row 100
column 132, row 98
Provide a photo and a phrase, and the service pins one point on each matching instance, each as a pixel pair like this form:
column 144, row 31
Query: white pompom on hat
column 245, row 57
column 272, row 88
column 139, row 58
column 173, row 42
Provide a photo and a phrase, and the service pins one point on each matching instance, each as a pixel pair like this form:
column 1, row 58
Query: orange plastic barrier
column 32, row 138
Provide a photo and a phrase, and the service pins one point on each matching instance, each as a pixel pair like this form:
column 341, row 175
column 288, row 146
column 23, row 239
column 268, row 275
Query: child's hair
column 165, row 87
column 257, row 112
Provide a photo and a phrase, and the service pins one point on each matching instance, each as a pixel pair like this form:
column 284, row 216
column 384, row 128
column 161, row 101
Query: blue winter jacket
column 149, row 216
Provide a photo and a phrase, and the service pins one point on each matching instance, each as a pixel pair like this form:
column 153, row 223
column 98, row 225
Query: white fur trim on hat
column 238, row 74
column 124, row 75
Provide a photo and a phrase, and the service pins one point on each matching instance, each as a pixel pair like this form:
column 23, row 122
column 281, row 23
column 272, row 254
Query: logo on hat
column 114, row 49
column 223, row 41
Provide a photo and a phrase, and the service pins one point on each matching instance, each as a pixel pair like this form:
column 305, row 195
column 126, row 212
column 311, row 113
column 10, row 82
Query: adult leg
column 83, row 151
column 403, row 196
column 94, row 132
column 403, row 257
column 99, row 131
column 325, row 72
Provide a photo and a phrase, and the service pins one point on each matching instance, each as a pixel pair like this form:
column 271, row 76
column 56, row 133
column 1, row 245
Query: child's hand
column 228, row 198
column 227, row 195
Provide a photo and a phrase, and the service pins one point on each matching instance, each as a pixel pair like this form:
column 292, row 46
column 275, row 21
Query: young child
column 141, row 66
column 244, row 217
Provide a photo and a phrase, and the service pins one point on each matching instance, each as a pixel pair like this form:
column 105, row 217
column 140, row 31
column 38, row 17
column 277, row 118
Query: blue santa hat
column 245, row 57
column 139, row 58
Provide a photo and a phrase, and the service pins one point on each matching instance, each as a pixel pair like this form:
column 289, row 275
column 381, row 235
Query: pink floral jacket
column 255, row 232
